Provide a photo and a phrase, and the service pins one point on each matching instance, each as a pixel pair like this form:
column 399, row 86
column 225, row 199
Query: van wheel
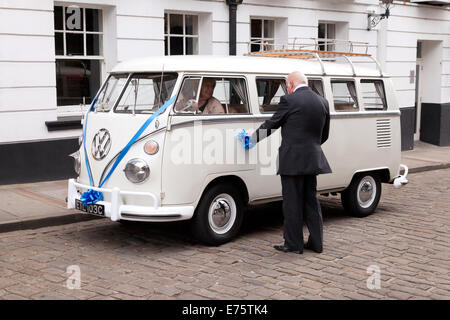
column 218, row 216
column 361, row 198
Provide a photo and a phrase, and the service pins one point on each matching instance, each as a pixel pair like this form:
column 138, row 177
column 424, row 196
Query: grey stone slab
column 23, row 207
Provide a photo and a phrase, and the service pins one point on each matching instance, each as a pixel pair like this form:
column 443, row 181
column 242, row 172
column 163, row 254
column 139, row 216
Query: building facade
column 54, row 55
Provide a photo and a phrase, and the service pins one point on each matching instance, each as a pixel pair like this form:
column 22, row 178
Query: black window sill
column 63, row 125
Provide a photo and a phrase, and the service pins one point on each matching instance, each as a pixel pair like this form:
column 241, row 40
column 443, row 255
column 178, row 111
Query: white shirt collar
column 300, row 86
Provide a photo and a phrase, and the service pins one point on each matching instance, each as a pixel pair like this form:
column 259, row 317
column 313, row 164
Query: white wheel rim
column 222, row 213
column 366, row 192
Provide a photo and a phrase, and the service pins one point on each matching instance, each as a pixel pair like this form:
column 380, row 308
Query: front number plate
column 97, row 209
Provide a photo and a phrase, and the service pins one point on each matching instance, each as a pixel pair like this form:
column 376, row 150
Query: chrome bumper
column 401, row 180
column 116, row 210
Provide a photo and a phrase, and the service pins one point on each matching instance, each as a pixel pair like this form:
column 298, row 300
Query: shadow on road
column 258, row 219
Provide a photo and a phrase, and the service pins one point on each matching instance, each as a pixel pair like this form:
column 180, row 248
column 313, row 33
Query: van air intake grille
column 384, row 133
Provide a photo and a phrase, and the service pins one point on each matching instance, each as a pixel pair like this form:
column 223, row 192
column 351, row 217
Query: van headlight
column 137, row 170
column 76, row 162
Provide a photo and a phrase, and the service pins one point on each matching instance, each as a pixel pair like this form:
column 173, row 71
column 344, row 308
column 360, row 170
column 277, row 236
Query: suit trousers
column 300, row 204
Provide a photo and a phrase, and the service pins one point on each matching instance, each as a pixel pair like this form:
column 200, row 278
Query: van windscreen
column 146, row 93
column 110, row 92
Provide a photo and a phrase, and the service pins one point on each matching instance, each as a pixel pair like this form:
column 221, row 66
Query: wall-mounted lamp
column 373, row 19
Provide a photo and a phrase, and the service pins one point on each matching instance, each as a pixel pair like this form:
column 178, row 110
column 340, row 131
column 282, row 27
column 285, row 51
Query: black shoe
column 310, row 247
column 287, row 249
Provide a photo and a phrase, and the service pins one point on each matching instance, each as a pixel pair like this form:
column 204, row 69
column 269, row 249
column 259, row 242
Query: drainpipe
column 232, row 24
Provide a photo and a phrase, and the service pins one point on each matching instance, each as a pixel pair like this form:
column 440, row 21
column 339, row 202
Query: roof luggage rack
column 317, row 48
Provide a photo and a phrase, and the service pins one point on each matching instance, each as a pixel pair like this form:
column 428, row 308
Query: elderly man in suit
column 304, row 118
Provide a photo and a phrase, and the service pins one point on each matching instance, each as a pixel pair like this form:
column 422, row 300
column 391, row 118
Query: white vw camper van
column 186, row 162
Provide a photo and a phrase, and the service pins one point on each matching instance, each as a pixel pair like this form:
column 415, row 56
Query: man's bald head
column 294, row 79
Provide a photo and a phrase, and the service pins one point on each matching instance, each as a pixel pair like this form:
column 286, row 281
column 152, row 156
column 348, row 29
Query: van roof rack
column 315, row 48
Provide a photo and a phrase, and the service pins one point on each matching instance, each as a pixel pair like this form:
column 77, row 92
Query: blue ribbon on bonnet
column 92, row 196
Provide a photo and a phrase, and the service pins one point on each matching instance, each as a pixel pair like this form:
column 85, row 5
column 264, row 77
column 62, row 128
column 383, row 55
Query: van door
column 201, row 142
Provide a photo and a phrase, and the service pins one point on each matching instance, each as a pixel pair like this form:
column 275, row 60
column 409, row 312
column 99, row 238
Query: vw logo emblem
column 101, row 144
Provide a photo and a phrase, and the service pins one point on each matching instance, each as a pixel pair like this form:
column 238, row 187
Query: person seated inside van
column 207, row 104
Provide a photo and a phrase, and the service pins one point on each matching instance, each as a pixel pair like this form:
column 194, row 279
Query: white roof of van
column 240, row 64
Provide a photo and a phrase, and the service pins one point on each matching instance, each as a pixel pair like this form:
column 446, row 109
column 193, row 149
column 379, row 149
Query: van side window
column 269, row 93
column 344, row 95
column 374, row 95
column 213, row 95
column 317, row 86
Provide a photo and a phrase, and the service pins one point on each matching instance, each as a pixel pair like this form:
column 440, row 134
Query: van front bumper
column 116, row 210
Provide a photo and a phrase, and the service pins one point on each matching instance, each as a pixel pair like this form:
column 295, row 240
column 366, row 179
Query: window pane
column 75, row 44
column 143, row 93
column 59, row 19
column 214, row 96
column 331, row 31
column 191, row 45
column 268, row 45
column 238, row 97
column 59, row 43
column 74, row 18
column 166, row 28
column 176, row 46
column 256, row 28
column 77, row 81
column 256, row 45
column 344, row 95
column 191, row 25
column 269, row 93
column 176, row 24
column 316, row 86
column 373, row 95
column 166, row 46
column 188, row 95
column 110, row 93
column 94, row 20
column 93, row 44
column 321, row 35
column 268, row 28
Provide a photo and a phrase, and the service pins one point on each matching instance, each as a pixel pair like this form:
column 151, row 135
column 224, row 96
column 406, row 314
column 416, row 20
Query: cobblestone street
column 407, row 238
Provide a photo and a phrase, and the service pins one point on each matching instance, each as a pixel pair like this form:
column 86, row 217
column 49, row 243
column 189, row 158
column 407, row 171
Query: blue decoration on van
column 246, row 140
column 91, row 197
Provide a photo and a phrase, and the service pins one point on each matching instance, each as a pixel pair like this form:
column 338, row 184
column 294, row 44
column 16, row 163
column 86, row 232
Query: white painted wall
column 134, row 28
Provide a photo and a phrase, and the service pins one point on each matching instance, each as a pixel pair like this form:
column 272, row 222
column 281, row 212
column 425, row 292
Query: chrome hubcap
column 367, row 191
column 222, row 213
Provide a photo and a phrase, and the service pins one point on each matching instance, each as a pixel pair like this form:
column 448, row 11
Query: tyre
column 361, row 197
column 218, row 216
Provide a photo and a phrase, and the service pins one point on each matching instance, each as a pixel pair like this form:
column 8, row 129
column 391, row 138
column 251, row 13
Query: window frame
column 267, row 78
column 201, row 76
column 326, row 39
column 368, row 80
column 184, row 36
column 345, row 80
column 262, row 39
column 66, row 110
column 84, row 32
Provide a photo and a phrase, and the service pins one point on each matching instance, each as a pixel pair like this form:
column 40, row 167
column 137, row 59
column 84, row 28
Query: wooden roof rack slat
column 299, row 51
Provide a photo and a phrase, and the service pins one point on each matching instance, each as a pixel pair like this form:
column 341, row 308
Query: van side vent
column 384, row 138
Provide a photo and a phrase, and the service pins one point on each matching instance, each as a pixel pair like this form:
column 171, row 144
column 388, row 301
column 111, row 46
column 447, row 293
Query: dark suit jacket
column 304, row 118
